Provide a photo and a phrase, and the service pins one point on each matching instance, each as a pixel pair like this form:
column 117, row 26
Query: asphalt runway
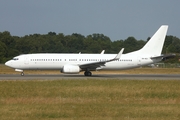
column 96, row 76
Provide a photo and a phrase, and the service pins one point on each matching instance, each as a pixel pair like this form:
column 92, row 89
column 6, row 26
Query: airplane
column 74, row 63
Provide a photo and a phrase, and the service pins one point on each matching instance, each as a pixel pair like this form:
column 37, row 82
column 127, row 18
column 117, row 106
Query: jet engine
column 70, row 69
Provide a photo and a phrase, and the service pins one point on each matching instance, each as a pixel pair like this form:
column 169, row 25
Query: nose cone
column 8, row 63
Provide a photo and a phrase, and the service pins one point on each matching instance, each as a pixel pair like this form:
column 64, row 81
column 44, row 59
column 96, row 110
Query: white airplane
column 75, row 63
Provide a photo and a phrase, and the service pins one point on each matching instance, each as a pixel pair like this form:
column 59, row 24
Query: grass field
column 90, row 99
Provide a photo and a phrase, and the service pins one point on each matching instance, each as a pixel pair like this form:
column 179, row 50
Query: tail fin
column 155, row 44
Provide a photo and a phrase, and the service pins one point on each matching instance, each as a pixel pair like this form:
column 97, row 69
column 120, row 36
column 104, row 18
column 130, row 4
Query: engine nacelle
column 70, row 69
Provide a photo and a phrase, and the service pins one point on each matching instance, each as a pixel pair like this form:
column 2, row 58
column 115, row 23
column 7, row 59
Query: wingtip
column 119, row 54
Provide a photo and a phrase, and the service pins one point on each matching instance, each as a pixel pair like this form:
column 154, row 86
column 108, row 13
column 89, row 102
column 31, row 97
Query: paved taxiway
column 96, row 76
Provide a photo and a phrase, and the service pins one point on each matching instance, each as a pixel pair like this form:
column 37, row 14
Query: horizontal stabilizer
column 156, row 57
column 168, row 56
column 164, row 56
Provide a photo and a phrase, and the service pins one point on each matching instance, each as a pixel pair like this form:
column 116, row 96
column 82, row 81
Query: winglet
column 102, row 52
column 119, row 54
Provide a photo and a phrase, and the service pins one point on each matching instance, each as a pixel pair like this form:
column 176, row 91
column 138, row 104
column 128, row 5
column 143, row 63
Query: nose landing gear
column 22, row 73
column 19, row 70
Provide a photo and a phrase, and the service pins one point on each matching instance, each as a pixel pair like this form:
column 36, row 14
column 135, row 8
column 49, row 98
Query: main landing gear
column 87, row 73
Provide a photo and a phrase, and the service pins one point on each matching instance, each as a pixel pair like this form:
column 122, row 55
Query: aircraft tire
column 22, row 74
column 87, row 73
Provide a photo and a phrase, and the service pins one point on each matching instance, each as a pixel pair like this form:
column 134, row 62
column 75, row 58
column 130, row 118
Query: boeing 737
column 74, row 63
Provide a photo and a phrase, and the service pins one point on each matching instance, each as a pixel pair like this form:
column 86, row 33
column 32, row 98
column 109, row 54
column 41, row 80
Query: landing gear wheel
column 22, row 74
column 87, row 73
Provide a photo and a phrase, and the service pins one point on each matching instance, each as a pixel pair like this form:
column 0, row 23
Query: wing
column 95, row 65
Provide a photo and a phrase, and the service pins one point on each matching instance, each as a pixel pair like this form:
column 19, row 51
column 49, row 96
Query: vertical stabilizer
column 155, row 44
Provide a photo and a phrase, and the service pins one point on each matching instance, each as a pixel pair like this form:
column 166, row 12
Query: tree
column 130, row 44
column 3, row 52
column 117, row 45
column 51, row 33
column 174, row 47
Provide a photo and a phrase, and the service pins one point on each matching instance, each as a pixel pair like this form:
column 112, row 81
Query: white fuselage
column 57, row 61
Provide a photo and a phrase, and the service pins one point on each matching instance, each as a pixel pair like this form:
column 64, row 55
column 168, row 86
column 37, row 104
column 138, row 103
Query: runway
column 96, row 76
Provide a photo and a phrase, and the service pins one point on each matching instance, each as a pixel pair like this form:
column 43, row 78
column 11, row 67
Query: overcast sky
column 117, row 19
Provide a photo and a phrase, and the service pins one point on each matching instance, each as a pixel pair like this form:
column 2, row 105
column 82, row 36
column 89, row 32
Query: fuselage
column 57, row 61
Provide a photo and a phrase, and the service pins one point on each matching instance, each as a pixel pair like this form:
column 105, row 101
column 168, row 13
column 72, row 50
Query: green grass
column 90, row 99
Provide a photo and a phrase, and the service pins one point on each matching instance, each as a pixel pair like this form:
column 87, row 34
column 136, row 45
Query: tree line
column 51, row 42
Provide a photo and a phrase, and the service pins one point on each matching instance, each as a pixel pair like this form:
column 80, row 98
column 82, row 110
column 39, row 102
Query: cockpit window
column 15, row 58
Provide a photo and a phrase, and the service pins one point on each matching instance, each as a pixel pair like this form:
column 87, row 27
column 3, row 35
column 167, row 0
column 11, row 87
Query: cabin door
column 26, row 60
column 139, row 61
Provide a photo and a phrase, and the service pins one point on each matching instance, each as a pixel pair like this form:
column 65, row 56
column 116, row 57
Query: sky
column 117, row 19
